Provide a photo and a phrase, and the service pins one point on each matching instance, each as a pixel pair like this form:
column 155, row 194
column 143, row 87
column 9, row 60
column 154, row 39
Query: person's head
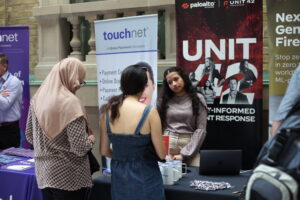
column 133, row 82
column 209, row 64
column 176, row 82
column 71, row 73
column 207, row 85
column 55, row 103
column 209, row 61
column 192, row 76
column 233, row 82
column 3, row 64
column 150, row 88
column 244, row 64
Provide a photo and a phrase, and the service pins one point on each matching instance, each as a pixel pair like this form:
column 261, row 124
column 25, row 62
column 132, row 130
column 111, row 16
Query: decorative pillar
column 129, row 13
column 109, row 15
column 92, row 41
column 75, row 43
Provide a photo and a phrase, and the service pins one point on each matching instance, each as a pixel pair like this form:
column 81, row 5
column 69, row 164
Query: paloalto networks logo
column 126, row 34
column 185, row 5
column 206, row 4
column 12, row 37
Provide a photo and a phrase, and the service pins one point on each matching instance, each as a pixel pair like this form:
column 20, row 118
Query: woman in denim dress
column 133, row 127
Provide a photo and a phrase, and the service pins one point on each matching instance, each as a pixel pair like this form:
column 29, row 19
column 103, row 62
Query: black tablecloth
column 181, row 190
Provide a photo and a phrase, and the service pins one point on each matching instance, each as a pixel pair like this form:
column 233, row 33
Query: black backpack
column 277, row 172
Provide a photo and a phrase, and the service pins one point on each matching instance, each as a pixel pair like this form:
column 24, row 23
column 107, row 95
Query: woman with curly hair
column 183, row 112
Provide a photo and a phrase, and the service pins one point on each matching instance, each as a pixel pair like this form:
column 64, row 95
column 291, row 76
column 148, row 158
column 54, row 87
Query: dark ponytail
column 113, row 105
column 133, row 81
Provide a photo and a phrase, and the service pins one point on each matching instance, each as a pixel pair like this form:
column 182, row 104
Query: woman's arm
column 156, row 133
column 104, row 147
column 199, row 133
column 80, row 144
column 28, row 131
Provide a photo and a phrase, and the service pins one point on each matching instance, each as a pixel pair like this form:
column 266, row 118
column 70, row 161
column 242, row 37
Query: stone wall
column 19, row 13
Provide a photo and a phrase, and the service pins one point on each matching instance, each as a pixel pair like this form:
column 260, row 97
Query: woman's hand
column 92, row 138
column 176, row 157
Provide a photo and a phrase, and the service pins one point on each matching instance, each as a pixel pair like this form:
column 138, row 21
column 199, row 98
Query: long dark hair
column 133, row 81
column 167, row 93
column 209, row 87
column 242, row 65
column 211, row 64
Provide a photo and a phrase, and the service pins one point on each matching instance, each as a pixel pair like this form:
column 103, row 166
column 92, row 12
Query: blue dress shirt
column 11, row 106
column 291, row 97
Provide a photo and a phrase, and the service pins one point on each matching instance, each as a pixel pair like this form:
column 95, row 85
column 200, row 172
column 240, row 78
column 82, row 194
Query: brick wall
column 19, row 13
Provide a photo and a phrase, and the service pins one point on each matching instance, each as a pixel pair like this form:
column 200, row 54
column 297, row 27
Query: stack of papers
column 6, row 159
column 19, row 152
column 18, row 165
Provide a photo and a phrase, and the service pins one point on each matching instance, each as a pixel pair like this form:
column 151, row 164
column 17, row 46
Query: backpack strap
column 276, row 148
column 142, row 120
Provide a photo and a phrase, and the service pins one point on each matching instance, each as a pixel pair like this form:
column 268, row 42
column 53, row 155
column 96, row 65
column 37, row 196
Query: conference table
column 182, row 190
column 19, row 184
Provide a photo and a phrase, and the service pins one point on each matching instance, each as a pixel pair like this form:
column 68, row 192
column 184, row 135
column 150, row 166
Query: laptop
column 220, row 162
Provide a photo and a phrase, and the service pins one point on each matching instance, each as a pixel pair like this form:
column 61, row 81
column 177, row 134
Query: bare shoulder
column 153, row 112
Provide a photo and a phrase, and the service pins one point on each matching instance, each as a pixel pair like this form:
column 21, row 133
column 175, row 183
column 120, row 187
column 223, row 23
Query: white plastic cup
column 168, row 174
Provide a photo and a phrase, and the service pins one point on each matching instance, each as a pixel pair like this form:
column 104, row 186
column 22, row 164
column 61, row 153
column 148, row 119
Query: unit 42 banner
column 219, row 44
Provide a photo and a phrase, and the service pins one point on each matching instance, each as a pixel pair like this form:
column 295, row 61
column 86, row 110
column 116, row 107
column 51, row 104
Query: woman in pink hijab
column 58, row 129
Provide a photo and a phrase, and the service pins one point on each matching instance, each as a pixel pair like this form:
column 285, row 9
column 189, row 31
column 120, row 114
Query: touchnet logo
column 126, row 34
column 13, row 37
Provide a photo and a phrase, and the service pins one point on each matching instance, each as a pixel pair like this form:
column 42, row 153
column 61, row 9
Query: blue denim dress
column 134, row 175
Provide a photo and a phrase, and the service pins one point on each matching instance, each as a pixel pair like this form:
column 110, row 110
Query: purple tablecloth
column 19, row 185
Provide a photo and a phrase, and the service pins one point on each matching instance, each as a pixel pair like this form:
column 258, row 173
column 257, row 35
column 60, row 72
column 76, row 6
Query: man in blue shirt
column 290, row 99
column 10, row 106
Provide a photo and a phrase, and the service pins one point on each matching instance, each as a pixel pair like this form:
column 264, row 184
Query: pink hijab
column 55, row 104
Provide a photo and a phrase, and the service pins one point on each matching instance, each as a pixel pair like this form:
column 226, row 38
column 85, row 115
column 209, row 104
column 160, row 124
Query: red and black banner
column 219, row 44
